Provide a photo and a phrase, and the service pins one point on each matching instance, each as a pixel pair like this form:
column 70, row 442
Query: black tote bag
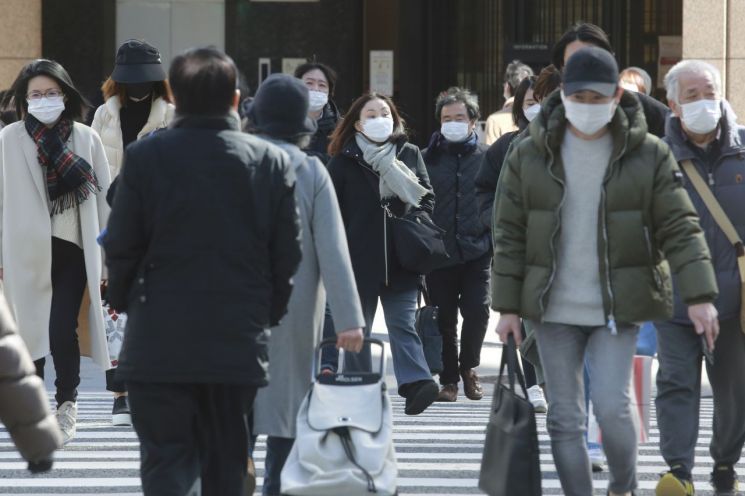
column 510, row 465
column 418, row 241
column 428, row 329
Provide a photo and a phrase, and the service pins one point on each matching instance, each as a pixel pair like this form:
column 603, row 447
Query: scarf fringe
column 73, row 198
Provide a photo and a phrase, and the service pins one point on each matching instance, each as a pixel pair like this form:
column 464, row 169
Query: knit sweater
column 576, row 297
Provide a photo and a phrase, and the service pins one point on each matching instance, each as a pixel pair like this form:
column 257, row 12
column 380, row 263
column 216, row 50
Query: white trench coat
column 26, row 233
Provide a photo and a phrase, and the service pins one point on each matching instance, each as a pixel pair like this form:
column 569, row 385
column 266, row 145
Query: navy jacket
column 452, row 169
column 723, row 164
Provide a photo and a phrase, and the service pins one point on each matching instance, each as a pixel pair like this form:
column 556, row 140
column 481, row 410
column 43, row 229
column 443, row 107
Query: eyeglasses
column 38, row 95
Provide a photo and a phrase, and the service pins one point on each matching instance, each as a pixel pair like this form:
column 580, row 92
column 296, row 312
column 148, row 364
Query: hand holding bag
column 510, row 464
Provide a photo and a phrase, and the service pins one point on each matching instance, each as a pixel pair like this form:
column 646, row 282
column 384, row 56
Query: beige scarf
column 396, row 179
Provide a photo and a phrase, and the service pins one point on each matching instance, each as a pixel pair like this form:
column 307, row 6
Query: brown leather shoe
column 471, row 384
column 449, row 392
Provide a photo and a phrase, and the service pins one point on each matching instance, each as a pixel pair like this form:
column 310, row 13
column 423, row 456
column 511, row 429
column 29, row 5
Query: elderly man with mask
column 708, row 143
column 589, row 218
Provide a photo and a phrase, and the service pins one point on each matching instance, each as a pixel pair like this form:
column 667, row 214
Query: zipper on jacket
column 457, row 205
column 609, row 286
column 541, row 300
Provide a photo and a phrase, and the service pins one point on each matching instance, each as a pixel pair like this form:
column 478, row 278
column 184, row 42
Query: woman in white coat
column 137, row 102
column 279, row 113
column 53, row 181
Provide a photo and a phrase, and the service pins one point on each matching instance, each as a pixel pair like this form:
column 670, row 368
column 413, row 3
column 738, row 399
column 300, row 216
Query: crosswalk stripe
column 438, row 453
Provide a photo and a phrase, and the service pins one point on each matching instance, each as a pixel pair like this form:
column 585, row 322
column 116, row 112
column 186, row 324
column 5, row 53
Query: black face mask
column 139, row 91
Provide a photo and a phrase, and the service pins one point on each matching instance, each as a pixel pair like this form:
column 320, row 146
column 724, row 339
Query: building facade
column 412, row 49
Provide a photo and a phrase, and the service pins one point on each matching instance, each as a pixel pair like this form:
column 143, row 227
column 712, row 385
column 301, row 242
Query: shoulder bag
column 724, row 224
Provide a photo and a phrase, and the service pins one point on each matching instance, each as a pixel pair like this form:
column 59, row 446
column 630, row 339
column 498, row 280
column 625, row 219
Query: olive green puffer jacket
column 647, row 223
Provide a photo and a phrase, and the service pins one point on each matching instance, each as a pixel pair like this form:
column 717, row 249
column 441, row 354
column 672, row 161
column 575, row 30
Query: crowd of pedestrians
column 236, row 233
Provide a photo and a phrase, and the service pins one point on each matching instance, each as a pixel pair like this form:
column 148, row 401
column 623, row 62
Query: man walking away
column 703, row 134
column 202, row 242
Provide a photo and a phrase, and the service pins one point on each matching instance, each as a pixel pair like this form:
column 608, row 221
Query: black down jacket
column 202, row 241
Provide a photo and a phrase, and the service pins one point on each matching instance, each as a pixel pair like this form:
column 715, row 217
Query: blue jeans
column 277, row 451
column 399, row 307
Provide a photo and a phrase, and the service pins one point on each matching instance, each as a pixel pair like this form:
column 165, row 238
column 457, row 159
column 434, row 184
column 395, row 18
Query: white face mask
column 318, row 100
column 532, row 111
column 701, row 116
column 47, row 110
column 455, row 131
column 588, row 118
column 378, row 129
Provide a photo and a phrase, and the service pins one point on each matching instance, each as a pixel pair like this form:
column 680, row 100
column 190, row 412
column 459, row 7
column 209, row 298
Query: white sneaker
column 67, row 417
column 536, row 398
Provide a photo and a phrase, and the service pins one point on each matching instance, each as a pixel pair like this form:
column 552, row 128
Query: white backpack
column 344, row 443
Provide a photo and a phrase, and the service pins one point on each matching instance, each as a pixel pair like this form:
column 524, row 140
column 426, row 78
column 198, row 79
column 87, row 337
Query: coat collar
column 729, row 135
column 158, row 118
column 230, row 121
column 628, row 126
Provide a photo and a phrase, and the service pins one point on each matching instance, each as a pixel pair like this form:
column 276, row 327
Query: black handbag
column 419, row 242
column 510, row 464
column 428, row 329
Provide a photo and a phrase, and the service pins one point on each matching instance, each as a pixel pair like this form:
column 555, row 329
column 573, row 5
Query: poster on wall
column 670, row 53
column 290, row 64
column 381, row 71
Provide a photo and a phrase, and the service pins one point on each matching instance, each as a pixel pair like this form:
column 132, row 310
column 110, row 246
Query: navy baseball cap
column 590, row 68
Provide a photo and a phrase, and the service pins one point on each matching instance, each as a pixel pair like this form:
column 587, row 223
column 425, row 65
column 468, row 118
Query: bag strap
column 509, row 359
column 713, row 205
column 423, row 293
column 718, row 213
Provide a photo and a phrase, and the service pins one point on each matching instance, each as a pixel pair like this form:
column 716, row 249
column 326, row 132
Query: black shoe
column 419, row 395
column 724, row 480
column 120, row 414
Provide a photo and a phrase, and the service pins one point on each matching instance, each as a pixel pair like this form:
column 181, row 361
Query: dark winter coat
column 452, row 169
column 368, row 232
column 319, row 142
column 488, row 175
column 647, row 224
column 723, row 167
column 655, row 113
column 201, row 245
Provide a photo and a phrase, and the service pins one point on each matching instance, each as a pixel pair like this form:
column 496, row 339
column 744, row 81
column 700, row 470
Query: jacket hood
column 628, row 125
column 730, row 137
column 298, row 157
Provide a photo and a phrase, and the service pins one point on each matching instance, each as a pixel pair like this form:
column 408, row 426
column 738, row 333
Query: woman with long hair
column 376, row 172
column 54, row 177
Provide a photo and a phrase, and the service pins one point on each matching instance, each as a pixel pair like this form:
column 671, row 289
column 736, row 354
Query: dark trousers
column 68, row 286
column 193, row 437
column 679, row 391
column 277, row 451
column 463, row 287
column 113, row 384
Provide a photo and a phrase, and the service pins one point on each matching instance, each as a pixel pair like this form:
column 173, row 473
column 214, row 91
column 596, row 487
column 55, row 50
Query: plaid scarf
column 70, row 179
